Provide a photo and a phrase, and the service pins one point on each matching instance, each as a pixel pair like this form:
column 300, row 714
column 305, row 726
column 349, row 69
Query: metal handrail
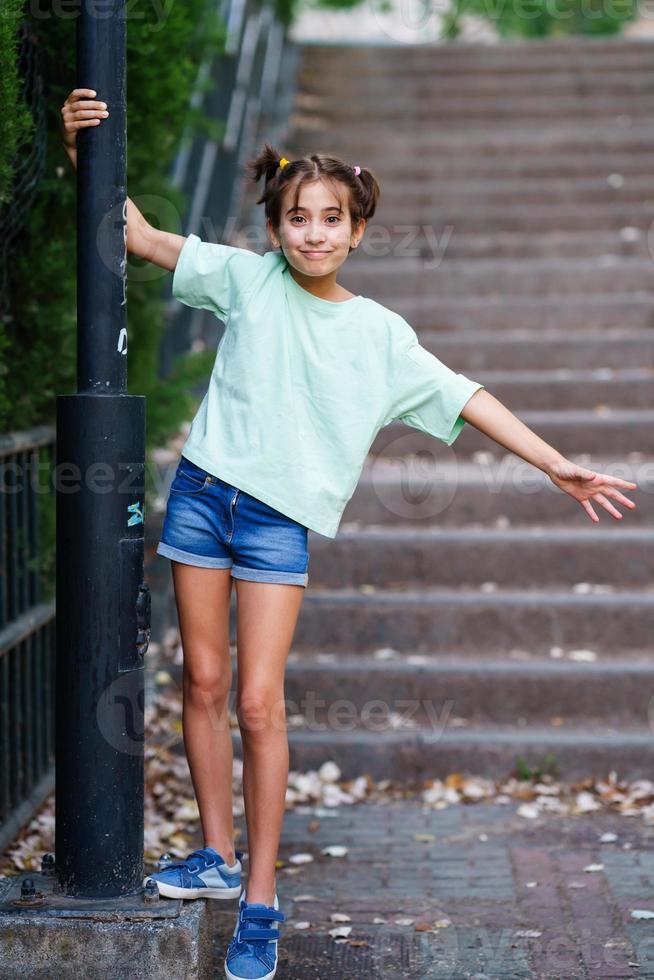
column 251, row 81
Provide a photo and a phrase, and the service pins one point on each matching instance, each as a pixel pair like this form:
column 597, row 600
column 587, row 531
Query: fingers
column 589, row 510
column 79, row 111
column 608, row 488
column 607, row 505
column 620, row 497
column 87, row 105
column 615, row 481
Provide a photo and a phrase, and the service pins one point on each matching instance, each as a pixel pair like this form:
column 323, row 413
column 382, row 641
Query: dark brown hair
column 362, row 189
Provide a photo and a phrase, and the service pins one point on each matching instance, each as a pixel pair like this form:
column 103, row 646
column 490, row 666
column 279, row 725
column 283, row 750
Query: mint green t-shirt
column 301, row 385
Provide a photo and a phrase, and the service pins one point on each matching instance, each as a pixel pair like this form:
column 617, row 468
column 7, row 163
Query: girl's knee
column 207, row 684
column 260, row 712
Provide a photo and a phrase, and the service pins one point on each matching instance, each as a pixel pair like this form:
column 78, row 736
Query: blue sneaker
column 203, row 874
column 252, row 953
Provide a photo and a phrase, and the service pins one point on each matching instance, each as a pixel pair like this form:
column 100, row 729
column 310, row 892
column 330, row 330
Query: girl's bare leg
column 266, row 618
column 202, row 596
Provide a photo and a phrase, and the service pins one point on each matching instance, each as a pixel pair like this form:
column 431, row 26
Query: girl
column 305, row 376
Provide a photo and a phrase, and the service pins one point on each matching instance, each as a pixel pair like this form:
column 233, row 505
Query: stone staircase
column 516, row 202
column 469, row 613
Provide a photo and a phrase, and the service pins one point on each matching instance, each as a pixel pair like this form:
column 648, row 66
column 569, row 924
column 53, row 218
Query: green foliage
column 511, row 18
column 39, row 338
column 170, row 396
column 543, row 18
column 16, row 129
column 162, row 57
column 549, row 766
column 16, row 125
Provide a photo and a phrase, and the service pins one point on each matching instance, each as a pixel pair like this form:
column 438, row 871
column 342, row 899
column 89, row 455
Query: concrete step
column 448, row 144
column 402, row 557
column 593, row 389
column 439, row 83
column 487, row 493
column 584, row 163
column 482, row 343
column 627, row 279
column 518, row 245
column 581, row 314
column 536, row 55
column 492, row 751
column 612, row 431
column 531, row 59
column 472, row 621
column 405, row 113
column 607, row 186
column 517, row 217
column 473, row 495
column 434, row 692
column 437, row 694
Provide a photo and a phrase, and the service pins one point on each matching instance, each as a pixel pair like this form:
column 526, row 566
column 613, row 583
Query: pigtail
column 266, row 164
column 369, row 192
column 363, row 189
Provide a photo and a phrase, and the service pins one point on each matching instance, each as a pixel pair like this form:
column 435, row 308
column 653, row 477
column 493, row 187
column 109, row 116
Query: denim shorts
column 212, row 524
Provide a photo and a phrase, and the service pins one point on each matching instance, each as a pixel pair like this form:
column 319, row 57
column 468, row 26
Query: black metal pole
column 102, row 601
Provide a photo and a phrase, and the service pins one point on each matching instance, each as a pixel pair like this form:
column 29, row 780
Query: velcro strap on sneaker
column 268, row 913
column 256, row 932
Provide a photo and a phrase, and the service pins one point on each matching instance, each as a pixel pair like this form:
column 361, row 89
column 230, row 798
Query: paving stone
column 500, row 927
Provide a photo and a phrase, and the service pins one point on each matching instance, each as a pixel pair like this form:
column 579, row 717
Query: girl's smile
column 320, row 214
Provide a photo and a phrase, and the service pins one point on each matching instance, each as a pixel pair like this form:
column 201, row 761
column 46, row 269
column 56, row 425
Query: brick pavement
column 476, row 873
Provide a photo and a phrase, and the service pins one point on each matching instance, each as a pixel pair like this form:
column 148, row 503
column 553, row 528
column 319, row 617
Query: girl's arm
column 491, row 417
column 159, row 247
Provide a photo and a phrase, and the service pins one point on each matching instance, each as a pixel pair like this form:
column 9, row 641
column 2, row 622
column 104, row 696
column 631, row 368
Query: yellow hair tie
column 283, row 162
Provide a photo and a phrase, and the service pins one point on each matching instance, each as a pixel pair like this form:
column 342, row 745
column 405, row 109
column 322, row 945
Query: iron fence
column 252, row 80
column 27, row 629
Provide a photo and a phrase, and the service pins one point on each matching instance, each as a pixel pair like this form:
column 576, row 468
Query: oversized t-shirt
column 301, row 385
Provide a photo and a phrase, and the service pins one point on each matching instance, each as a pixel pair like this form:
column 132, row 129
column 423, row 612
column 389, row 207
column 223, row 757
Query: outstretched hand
column 586, row 485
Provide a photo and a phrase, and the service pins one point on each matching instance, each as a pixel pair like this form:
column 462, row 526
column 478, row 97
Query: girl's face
column 316, row 236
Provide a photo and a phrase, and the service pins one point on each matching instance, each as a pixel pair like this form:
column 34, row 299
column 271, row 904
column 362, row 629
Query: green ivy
column 16, row 130
column 161, row 68
column 39, row 338
column 543, row 18
column 16, row 125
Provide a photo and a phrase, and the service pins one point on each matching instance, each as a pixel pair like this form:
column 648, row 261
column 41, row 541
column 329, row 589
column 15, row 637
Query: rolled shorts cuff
column 238, row 571
column 186, row 558
column 268, row 575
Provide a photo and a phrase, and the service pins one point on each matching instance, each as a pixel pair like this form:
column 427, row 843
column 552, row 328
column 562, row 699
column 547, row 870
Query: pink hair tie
column 357, row 171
